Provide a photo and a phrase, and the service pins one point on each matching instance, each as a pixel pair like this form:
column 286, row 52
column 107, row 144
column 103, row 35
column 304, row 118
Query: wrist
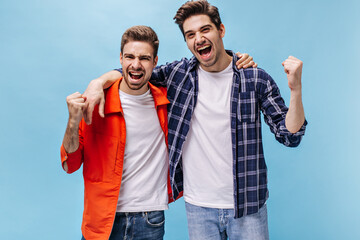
column 73, row 123
column 296, row 90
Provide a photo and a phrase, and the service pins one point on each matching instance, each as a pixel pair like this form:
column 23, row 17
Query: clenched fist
column 76, row 103
column 293, row 69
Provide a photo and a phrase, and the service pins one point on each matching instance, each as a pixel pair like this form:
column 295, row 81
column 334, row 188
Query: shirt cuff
column 283, row 131
column 68, row 157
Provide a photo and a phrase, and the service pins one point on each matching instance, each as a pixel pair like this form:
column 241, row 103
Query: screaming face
column 205, row 41
column 137, row 60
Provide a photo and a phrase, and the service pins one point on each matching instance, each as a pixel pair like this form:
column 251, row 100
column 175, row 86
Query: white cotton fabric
column 207, row 152
column 145, row 170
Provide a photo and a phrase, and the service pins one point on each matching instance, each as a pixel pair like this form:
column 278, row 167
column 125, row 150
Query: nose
column 199, row 38
column 136, row 63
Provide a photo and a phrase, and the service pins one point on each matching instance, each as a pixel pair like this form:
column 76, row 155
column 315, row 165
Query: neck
column 222, row 62
column 133, row 91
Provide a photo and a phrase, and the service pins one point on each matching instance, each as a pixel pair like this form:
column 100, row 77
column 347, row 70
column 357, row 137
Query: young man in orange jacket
column 124, row 155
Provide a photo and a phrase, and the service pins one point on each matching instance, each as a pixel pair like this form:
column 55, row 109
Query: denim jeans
column 220, row 224
column 138, row 226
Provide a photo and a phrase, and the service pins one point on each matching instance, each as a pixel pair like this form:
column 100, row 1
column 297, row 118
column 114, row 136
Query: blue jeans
column 220, row 224
column 138, row 226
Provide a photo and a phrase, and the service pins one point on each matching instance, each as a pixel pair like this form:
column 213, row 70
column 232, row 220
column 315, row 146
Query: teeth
column 136, row 74
column 204, row 47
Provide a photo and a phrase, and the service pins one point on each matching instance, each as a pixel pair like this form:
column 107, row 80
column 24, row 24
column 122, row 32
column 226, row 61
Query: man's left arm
column 287, row 124
column 295, row 116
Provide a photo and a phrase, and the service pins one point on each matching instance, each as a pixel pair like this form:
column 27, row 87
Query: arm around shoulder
column 94, row 93
column 161, row 74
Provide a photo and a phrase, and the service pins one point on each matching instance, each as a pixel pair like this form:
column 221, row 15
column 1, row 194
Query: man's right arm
column 70, row 144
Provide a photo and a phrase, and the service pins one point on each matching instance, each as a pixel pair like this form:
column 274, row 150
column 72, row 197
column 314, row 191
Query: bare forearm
column 71, row 137
column 94, row 93
column 107, row 79
column 295, row 117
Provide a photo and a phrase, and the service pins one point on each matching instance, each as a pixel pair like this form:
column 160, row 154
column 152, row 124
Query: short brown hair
column 191, row 8
column 143, row 34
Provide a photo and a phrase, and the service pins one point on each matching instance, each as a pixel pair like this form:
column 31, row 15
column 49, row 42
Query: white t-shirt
column 145, row 170
column 207, row 153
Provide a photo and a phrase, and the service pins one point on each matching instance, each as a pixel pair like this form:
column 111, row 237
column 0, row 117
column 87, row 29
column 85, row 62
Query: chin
column 208, row 63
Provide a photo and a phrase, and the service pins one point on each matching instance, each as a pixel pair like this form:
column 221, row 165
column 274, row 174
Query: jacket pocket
column 100, row 156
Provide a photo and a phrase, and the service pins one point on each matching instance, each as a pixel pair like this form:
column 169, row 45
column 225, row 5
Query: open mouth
column 204, row 51
column 136, row 75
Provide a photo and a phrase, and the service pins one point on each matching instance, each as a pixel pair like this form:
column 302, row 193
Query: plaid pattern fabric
column 253, row 90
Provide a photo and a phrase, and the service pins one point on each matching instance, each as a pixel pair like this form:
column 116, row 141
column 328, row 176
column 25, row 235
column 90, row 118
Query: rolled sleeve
column 290, row 139
column 73, row 160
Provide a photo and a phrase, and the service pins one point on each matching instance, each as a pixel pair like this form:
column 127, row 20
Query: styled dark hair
column 191, row 8
column 141, row 33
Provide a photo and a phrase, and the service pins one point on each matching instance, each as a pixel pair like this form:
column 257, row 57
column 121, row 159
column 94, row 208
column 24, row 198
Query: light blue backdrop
column 50, row 49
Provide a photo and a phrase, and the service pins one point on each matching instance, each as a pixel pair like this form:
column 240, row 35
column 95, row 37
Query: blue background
column 50, row 49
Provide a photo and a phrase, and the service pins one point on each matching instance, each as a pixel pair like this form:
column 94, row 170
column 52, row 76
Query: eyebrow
column 145, row 56
column 140, row 56
column 202, row 27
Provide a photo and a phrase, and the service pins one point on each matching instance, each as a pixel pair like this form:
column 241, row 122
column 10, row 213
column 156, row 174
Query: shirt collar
column 193, row 63
column 234, row 60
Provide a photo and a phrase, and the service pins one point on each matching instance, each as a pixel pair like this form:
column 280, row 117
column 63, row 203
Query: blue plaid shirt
column 252, row 90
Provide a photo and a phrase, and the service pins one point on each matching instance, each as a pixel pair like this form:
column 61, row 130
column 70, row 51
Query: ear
column 155, row 61
column 222, row 30
column 121, row 58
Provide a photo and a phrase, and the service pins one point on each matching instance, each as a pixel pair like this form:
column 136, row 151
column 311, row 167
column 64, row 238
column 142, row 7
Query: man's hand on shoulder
column 245, row 61
column 94, row 95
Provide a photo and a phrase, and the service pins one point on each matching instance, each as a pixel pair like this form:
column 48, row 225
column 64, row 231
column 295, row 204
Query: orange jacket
column 101, row 151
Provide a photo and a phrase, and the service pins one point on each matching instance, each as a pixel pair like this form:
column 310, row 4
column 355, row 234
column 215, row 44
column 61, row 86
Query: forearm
column 71, row 137
column 160, row 75
column 107, row 79
column 295, row 116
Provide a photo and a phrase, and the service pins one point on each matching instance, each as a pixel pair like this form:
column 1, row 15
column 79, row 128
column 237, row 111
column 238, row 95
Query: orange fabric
column 101, row 151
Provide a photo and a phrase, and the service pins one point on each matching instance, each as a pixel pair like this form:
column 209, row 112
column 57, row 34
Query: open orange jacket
column 101, row 151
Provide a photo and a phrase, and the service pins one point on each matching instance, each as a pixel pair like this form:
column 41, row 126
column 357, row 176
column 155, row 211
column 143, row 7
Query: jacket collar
column 159, row 95
column 112, row 97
